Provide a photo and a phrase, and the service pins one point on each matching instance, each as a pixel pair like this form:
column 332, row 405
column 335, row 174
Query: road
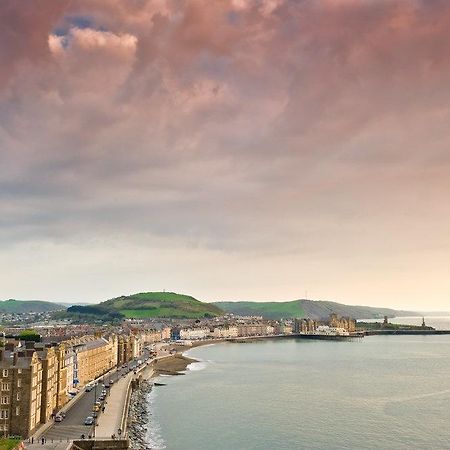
column 72, row 427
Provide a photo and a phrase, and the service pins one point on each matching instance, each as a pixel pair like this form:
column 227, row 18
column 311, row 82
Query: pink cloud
column 290, row 127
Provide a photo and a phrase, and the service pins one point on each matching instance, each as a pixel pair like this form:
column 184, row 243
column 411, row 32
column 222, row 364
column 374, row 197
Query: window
column 17, row 411
column 4, row 414
column 5, row 373
column 18, row 397
column 5, row 400
column 5, row 386
column 19, row 382
column 19, row 370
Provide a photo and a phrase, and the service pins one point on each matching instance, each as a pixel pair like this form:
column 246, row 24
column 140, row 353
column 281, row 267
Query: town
column 43, row 368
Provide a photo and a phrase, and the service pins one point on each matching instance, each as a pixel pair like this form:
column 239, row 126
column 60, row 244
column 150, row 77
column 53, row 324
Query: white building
column 225, row 332
column 194, row 333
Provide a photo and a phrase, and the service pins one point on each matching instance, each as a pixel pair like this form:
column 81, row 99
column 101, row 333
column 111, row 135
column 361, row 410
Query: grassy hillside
column 26, row 306
column 161, row 304
column 313, row 309
column 269, row 310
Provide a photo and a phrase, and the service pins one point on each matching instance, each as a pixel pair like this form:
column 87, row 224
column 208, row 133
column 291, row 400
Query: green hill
column 27, row 306
column 314, row 309
column 161, row 304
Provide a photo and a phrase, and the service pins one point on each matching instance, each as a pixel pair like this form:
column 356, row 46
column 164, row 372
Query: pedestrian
column 43, row 441
column 32, row 439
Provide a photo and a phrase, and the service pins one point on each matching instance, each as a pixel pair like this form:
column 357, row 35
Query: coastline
column 139, row 408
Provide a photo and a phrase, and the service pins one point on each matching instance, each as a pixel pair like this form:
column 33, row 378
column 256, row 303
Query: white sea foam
column 153, row 436
column 198, row 365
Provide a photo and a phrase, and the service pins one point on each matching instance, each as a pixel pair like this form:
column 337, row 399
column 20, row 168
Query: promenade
column 114, row 416
column 110, row 421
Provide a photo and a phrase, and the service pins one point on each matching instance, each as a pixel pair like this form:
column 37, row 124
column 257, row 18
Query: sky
column 228, row 149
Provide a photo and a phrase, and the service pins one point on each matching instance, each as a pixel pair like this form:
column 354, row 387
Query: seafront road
column 72, row 427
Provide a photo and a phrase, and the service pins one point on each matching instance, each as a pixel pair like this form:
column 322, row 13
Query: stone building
column 48, row 358
column 346, row 323
column 20, row 392
column 94, row 357
column 124, row 351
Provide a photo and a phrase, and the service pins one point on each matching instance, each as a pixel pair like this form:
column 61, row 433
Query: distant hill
column 161, row 304
column 27, row 306
column 314, row 309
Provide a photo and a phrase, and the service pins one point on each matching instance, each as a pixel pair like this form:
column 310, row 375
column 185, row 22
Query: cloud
column 312, row 134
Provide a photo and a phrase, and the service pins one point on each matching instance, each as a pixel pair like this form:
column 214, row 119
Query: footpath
column 110, row 421
column 115, row 415
column 48, row 446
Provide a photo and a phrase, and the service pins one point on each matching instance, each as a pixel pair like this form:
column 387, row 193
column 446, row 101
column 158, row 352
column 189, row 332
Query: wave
column 153, row 436
column 198, row 365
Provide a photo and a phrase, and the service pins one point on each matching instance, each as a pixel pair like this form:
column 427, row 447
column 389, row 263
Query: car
column 107, row 386
column 58, row 418
column 96, row 408
column 101, row 398
column 111, row 381
column 94, row 414
column 89, row 420
column 89, row 388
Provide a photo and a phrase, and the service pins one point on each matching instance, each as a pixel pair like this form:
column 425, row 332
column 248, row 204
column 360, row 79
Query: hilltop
column 314, row 309
column 28, row 306
column 160, row 304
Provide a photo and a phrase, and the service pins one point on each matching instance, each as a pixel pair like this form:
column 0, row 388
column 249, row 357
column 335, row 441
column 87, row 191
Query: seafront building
column 21, row 392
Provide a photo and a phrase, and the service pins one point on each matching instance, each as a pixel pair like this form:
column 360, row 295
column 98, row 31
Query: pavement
column 110, row 421
column 48, row 446
column 72, row 427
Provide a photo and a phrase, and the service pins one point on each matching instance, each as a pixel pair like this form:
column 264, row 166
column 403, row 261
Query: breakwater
column 139, row 415
column 405, row 332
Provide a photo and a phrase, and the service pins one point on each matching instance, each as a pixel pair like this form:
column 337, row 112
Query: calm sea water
column 381, row 392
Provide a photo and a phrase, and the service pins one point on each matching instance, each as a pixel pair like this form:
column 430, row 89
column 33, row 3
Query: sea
column 379, row 392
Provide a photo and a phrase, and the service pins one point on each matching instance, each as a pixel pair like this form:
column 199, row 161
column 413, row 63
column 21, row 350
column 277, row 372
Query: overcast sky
column 228, row 150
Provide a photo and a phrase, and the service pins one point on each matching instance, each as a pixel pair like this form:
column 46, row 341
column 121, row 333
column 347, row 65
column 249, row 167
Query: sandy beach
column 172, row 365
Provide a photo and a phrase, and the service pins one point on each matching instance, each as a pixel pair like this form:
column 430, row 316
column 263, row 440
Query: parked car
column 96, row 408
column 89, row 420
column 89, row 388
column 58, row 418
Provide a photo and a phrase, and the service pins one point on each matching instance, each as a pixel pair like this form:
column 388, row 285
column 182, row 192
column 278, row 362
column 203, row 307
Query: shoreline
column 139, row 408
column 177, row 364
